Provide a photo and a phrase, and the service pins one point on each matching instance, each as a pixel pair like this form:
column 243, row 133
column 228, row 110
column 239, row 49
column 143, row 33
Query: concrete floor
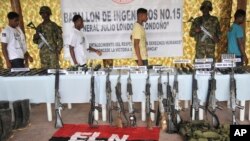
column 42, row 130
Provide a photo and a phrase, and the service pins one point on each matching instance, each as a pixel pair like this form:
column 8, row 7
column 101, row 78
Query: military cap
column 45, row 9
column 206, row 3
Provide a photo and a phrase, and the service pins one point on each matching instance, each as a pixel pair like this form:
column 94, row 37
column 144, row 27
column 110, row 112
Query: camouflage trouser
column 205, row 51
column 48, row 59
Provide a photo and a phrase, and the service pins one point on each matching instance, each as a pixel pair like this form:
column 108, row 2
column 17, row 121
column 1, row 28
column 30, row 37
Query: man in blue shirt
column 235, row 37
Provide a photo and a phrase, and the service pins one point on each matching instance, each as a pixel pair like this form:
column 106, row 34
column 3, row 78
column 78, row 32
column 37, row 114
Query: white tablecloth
column 76, row 88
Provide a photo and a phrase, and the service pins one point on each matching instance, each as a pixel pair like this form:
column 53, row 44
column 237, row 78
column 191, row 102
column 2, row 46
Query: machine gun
column 58, row 104
column 160, row 116
column 169, row 108
column 211, row 104
column 233, row 97
column 93, row 107
column 149, row 110
column 132, row 117
column 44, row 41
column 121, row 108
column 195, row 106
column 109, row 102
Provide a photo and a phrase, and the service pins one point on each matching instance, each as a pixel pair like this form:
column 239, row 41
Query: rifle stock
column 169, row 108
column 212, row 101
column 58, row 105
column 120, row 102
column 149, row 110
column 160, row 116
column 109, row 102
column 132, row 117
column 233, row 98
column 195, row 100
column 93, row 107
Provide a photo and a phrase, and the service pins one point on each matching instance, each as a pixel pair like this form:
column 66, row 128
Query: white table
column 76, row 89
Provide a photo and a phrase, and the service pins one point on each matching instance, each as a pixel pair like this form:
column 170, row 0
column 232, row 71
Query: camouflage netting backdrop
column 221, row 9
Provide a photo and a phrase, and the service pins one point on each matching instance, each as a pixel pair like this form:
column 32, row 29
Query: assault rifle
column 160, row 116
column 44, row 41
column 149, row 110
column 233, row 97
column 169, row 109
column 58, row 104
column 121, row 110
column 132, row 117
column 93, row 107
column 176, row 113
column 211, row 105
column 195, row 106
column 109, row 102
column 206, row 33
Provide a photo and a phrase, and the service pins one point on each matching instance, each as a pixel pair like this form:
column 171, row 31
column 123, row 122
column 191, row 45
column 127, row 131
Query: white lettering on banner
column 109, row 24
column 89, row 136
column 115, row 137
column 79, row 136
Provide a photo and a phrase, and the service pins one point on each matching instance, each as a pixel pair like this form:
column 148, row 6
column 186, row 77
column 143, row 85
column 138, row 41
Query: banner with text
column 108, row 26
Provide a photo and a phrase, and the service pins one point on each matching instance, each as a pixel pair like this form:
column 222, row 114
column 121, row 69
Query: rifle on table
column 149, row 110
column 169, row 108
column 58, row 104
column 195, row 106
column 109, row 101
column 211, row 105
column 160, row 116
column 93, row 107
column 132, row 117
column 121, row 109
column 44, row 41
column 175, row 94
column 234, row 103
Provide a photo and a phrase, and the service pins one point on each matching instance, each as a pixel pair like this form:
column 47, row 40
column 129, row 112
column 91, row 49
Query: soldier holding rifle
column 53, row 35
column 206, row 31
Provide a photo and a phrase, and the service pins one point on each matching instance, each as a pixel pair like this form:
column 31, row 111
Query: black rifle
column 195, row 106
column 160, row 116
column 58, row 104
column 93, row 107
column 109, row 102
column 32, row 26
column 132, row 117
column 175, row 94
column 233, row 97
column 211, row 104
column 118, row 93
column 149, row 110
column 169, row 109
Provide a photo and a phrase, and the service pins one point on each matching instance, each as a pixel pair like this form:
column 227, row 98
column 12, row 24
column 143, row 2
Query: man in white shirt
column 78, row 43
column 13, row 44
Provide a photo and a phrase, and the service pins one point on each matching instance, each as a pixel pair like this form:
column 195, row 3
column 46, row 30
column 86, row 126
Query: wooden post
column 16, row 7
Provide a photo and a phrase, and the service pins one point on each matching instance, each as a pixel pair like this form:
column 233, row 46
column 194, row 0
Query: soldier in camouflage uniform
column 205, row 48
column 53, row 34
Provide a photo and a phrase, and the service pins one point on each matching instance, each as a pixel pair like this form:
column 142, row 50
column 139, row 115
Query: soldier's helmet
column 45, row 9
column 206, row 3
